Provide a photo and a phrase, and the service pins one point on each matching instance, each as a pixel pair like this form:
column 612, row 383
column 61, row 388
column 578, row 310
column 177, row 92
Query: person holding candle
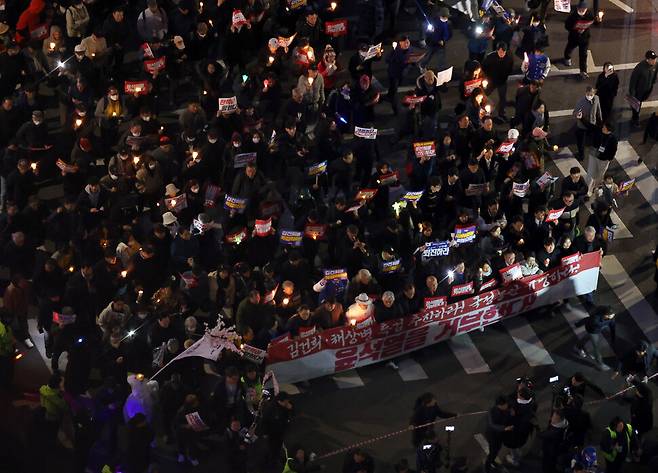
column 54, row 47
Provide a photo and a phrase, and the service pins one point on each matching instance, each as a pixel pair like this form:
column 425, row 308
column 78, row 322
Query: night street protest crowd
column 268, row 178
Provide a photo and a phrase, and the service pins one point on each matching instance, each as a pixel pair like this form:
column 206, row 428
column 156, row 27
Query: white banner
column 345, row 348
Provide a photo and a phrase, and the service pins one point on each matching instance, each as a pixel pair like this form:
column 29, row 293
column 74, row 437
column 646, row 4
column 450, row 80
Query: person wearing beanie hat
column 578, row 24
column 641, row 84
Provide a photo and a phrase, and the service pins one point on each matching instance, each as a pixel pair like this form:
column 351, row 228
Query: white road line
column 290, row 389
column 575, row 312
column 482, row 442
column 468, row 355
column 631, row 297
column 591, row 67
column 564, row 162
column 348, row 379
column 528, row 342
column 410, row 370
column 622, row 5
column 39, row 341
column 644, row 179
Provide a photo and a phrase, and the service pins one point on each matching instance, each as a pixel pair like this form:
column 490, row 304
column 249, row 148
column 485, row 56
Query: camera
column 450, row 428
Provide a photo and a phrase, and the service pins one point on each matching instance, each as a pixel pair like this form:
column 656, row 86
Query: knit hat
column 168, row 218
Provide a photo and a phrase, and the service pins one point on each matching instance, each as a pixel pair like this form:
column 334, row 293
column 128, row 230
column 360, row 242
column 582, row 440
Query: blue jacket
column 442, row 32
column 537, row 65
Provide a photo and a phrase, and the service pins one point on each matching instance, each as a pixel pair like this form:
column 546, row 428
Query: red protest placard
column 336, row 28
column 139, row 87
column 262, row 227
column 365, row 194
column 554, row 214
column 155, row 65
column 462, row 289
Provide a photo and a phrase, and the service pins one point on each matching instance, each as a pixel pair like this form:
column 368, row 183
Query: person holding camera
column 428, row 454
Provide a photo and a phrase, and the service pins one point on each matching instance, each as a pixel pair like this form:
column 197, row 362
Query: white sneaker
column 392, row 364
column 181, row 458
column 193, row 461
column 28, row 343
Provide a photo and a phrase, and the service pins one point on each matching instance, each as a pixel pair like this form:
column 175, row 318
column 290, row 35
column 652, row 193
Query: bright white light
column 478, row 30
column 131, row 333
column 430, row 27
column 451, row 274
column 60, row 64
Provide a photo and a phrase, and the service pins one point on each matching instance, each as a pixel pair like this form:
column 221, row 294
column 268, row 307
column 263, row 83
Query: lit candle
column 93, row 54
column 33, row 166
column 136, row 160
column 310, row 81
column 138, row 89
column 485, row 83
column 333, row 6
column 600, row 15
column 395, row 44
column 78, row 122
column 71, row 269
column 200, row 6
column 555, row 147
column 114, row 114
column 205, row 92
column 195, row 154
column 487, row 108
column 352, row 322
column 124, row 273
column 173, row 202
column 52, row 46
column 270, row 59
column 285, row 301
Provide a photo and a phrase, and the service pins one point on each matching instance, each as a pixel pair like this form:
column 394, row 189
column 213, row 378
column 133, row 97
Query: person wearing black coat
column 642, row 81
column 578, row 24
column 358, row 461
column 605, row 143
column 641, row 408
column 426, row 410
column 497, row 67
column 555, row 443
column 500, row 421
column 274, row 422
column 607, row 85
column 397, row 64
column 525, row 409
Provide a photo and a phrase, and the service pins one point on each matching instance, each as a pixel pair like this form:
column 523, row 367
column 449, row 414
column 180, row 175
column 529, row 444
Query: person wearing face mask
column 607, row 85
column 149, row 181
column 587, row 113
column 578, row 24
column 110, row 112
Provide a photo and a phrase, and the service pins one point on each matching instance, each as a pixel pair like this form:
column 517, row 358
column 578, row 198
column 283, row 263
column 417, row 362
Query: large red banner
column 348, row 347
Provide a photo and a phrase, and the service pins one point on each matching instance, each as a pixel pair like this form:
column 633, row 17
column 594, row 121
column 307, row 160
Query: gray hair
column 388, row 295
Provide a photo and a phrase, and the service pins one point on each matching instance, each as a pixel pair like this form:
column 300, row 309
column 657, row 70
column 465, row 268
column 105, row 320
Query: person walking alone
column 643, row 78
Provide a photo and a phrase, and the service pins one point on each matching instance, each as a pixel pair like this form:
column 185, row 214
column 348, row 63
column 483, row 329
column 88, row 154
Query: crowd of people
column 166, row 161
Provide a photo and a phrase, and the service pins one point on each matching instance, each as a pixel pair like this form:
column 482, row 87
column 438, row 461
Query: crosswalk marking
column 644, row 179
column 410, row 370
column 348, row 379
column 623, row 6
column 526, row 339
column 468, row 355
column 482, row 442
column 576, row 312
column 564, row 162
column 631, row 297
